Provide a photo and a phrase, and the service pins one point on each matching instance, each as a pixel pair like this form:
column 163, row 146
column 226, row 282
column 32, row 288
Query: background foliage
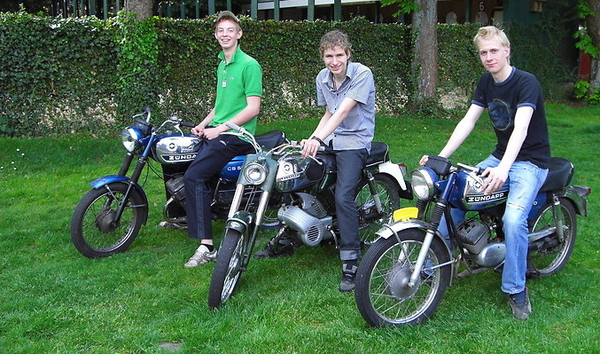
column 60, row 76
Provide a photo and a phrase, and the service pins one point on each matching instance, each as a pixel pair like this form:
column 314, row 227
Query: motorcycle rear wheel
column 228, row 269
column 552, row 254
column 94, row 231
column 369, row 219
column 382, row 295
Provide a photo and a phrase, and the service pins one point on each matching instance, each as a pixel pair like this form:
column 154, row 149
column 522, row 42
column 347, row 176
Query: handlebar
column 477, row 170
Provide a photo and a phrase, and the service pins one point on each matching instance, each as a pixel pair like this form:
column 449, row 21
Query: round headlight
column 423, row 183
column 130, row 137
column 255, row 173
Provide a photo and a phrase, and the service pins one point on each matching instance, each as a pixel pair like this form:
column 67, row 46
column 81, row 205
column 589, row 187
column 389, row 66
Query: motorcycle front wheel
column 382, row 293
column 550, row 255
column 95, row 230
column 228, row 269
column 370, row 220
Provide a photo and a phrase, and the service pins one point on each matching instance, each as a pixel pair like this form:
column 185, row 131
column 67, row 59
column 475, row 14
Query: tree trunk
column 593, row 27
column 425, row 62
column 142, row 8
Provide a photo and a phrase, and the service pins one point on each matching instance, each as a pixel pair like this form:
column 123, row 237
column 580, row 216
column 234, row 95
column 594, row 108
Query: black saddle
column 271, row 139
column 379, row 153
column 560, row 172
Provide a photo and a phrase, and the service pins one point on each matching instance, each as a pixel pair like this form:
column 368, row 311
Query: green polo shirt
column 236, row 80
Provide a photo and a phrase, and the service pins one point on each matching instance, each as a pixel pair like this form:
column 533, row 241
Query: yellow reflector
column 405, row 214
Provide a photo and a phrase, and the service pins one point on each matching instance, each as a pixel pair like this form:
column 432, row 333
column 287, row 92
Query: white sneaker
column 201, row 256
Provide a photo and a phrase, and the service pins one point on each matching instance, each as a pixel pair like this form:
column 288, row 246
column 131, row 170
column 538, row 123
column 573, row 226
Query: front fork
column 251, row 222
column 132, row 181
column 429, row 236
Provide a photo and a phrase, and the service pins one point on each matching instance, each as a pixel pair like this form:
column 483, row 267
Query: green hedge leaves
column 88, row 76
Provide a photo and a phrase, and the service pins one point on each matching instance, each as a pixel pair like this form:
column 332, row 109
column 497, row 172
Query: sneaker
column 520, row 305
column 284, row 248
column 201, row 256
column 348, row 275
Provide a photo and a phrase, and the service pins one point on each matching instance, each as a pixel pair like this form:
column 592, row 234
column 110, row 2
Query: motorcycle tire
column 94, row 231
column 369, row 219
column 381, row 293
column 228, row 269
column 551, row 254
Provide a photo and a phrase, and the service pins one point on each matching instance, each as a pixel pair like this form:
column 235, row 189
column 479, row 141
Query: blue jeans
column 524, row 180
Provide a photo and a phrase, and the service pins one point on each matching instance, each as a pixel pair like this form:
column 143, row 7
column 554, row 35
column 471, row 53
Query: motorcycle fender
column 394, row 171
column 103, row 181
column 240, row 221
column 389, row 230
column 577, row 195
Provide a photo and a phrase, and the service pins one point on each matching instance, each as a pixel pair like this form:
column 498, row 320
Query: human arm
column 497, row 176
column 251, row 110
column 460, row 133
column 328, row 123
column 199, row 129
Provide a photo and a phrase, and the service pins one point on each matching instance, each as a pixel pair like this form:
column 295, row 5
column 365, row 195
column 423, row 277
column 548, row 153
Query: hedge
column 85, row 75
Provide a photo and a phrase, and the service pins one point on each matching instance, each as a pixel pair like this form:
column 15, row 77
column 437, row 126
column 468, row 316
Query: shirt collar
column 222, row 55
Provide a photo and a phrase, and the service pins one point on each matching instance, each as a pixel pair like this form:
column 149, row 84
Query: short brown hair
column 334, row 39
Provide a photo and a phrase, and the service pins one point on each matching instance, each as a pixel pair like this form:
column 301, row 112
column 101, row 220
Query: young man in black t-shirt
column 515, row 104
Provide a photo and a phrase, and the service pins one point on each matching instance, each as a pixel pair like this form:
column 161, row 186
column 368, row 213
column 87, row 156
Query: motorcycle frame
column 442, row 207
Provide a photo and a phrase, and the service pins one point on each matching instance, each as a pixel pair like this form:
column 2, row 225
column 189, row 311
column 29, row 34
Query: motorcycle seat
column 379, row 153
column 560, row 172
column 271, row 139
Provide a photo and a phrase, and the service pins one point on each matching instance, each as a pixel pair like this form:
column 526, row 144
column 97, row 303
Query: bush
column 85, row 75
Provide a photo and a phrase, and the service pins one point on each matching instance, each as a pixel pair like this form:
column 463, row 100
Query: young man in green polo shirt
column 239, row 92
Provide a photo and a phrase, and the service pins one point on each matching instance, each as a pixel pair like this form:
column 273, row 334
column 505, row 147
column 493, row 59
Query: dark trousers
column 349, row 169
column 212, row 157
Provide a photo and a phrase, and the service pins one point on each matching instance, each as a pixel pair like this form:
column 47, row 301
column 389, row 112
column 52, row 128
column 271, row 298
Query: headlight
column 131, row 138
column 423, row 182
column 255, row 173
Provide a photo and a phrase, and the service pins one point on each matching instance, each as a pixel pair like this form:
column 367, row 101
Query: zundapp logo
column 485, row 198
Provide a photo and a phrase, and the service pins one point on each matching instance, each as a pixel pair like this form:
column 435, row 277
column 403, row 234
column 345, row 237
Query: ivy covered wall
column 85, row 75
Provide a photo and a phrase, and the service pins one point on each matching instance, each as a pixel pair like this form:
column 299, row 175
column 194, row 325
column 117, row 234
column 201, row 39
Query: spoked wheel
column 228, row 269
column 95, row 229
column 370, row 220
column 549, row 255
column 383, row 294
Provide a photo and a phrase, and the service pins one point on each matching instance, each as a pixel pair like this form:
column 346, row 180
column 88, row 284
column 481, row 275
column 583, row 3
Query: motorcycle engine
column 176, row 188
column 475, row 237
column 308, row 218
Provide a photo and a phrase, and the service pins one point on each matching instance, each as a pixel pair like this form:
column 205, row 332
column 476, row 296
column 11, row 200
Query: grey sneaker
column 348, row 275
column 201, row 256
column 520, row 305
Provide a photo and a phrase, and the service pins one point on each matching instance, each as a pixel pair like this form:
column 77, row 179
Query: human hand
column 310, row 147
column 495, row 177
column 423, row 160
column 212, row 133
column 198, row 130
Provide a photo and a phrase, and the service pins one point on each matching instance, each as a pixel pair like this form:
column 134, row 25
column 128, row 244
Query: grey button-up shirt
column 357, row 129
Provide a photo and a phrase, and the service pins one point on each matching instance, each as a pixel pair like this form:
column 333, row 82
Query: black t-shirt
column 502, row 100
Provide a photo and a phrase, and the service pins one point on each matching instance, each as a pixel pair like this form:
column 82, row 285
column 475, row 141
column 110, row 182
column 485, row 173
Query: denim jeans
column 524, row 180
column 349, row 169
column 212, row 157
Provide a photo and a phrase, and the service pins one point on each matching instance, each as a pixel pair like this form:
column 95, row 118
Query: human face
column 494, row 56
column 336, row 60
column 227, row 32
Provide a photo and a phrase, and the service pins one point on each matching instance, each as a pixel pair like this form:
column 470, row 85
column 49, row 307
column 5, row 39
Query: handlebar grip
column 233, row 126
column 187, row 124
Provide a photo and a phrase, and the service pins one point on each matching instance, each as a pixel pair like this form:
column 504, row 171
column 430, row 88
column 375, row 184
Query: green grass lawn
column 54, row 300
